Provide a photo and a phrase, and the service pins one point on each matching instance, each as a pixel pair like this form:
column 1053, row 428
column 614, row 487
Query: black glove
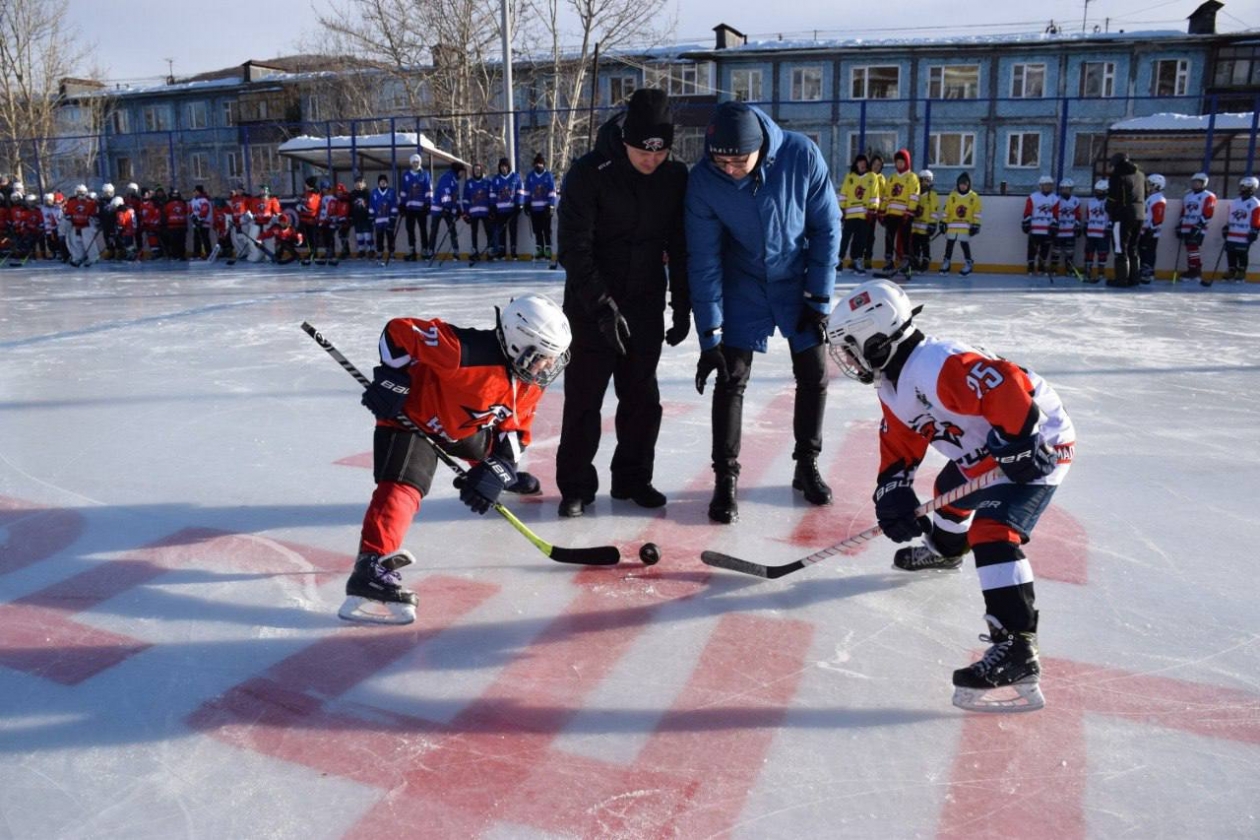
column 895, row 503
column 974, row 230
column 1251, row 237
column 710, row 360
column 1026, row 225
column 388, row 391
column 482, row 485
column 676, row 334
column 1181, row 234
column 1054, row 230
column 613, row 326
column 1022, row 459
column 812, row 321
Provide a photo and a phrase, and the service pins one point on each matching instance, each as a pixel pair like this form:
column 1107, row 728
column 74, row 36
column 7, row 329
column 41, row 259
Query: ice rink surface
column 183, row 473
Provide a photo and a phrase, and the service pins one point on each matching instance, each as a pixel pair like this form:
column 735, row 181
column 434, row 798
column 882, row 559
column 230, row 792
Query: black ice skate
column 1009, row 667
column 374, row 592
column 924, row 558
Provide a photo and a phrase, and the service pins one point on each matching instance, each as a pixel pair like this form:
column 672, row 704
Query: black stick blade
column 599, row 555
column 726, row 561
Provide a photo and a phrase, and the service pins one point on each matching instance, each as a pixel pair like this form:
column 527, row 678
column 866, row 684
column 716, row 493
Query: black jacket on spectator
column 1126, row 193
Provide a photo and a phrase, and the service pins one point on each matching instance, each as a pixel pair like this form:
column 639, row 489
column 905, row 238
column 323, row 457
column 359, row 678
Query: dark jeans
column 809, row 368
column 505, row 221
column 415, row 219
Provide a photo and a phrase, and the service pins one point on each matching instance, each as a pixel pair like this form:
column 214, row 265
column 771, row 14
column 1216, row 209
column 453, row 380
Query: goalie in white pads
column 981, row 412
column 475, row 393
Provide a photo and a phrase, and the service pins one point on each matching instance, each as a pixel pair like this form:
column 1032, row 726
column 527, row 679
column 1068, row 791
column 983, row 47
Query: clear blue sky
column 135, row 37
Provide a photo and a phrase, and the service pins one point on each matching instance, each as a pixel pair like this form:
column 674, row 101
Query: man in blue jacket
column 762, row 227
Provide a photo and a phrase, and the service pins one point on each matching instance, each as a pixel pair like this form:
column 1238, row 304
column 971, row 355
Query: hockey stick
column 726, row 561
column 440, row 241
column 604, row 555
column 1177, row 260
column 1216, row 266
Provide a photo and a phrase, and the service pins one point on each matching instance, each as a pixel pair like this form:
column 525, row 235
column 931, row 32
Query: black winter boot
column 810, row 482
column 723, row 508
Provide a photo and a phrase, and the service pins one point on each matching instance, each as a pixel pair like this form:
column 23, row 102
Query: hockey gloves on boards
column 895, row 503
column 677, row 333
column 1023, row 459
column 710, row 360
column 388, row 391
column 482, row 485
column 613, row 326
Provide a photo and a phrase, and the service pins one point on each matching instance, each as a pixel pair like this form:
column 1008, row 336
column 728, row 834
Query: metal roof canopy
column 369, row 151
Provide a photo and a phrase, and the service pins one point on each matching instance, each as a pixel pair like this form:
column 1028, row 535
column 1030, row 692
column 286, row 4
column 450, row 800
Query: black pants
column 384, row 238
column 505, row 221
column 415, row 219
column 638, row 418
column 541, row 221
column 475, row 222
column 201, row 241
column 175, row 247
column 452, row 235
column 809, row 368
column 1038, row 251
column 853, row 235
column 1125, row 237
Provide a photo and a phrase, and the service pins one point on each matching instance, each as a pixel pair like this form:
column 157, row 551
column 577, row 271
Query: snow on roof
column 1032, row 38
column 382, row 149
column 1184, row 122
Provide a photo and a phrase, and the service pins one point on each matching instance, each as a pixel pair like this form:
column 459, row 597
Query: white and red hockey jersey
column 1041, row 211
column 1068, row 214
column 1097, row 220
column 1243, row 219
column 1197, row 209
column 950, row 395
column 1156, row 205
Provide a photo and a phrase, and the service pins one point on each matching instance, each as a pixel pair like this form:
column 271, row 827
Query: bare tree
column 38, row 48
column 436, row 60
column 614, row 25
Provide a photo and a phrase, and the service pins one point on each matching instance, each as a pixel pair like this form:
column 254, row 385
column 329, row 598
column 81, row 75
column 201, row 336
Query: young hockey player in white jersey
column 1097, row 233
column 981, row 412
column 1068, row 222
column 1242, row 226
column 1197, row 208
column 1156, row 205
column 1040, row 211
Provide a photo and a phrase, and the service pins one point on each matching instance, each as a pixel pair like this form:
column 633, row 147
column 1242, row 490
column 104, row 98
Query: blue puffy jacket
column 762, row 247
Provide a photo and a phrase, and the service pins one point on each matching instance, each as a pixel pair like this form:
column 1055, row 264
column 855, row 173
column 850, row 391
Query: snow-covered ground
column 182, row 476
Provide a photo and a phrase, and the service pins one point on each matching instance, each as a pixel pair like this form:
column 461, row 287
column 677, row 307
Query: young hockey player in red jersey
column 474, row 392
column 981, row 412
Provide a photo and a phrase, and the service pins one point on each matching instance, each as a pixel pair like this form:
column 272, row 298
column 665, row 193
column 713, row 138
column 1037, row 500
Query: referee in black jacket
column 621, row 242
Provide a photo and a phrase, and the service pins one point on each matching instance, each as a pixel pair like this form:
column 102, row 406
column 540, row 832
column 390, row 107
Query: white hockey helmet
column 107, row 190
column 18, row 189
column 415, row 161
column 1067, row 184
column 1199, row 176
column 50, row 199
column 92, row 195
column 81, row 190
column 867, row 326
column 1249, row 184
column 1157, row 181
column 1101, row 185
column 116, row 202
column 133, row 188
column 32, row 199
column 535, row 336
column 926, row 175
column 1045, row 181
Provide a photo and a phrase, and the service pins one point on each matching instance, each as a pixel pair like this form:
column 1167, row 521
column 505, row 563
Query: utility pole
column 170, row 70
column 1084, row 16
column 509, row 114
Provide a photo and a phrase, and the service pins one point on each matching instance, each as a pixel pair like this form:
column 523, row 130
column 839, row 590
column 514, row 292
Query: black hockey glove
column 482, row 485
column 1181, row 234
column 677, row 333
column 388, row 391
column 1022, row 459
column 1251, row 237
column 895, row 503
column 710, row 360
column 613, row 326
column 1026, row 225
column 974, row 230
column 812, row 321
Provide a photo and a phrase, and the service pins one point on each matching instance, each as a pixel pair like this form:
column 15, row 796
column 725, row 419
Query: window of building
column 954, row 81
column 882, row 143
column 1098, row 78
column 232, row 162
column 230, row 113
column 746, row 85
column 1089, row 148
column 197, row 165
column 688, row 144
column 261, row 109
column 815, row 136
column 1237, row 66
column 122, row 169
column 120, row 121
column 1028, row 81
column 875, row 82
column 681, row 79
column 1171, row 77
column 1023, row 149
column 195, row 115
column 620, row 88
column 806, row 84
column 952, row 149
column 310, row 107
column 156, row 118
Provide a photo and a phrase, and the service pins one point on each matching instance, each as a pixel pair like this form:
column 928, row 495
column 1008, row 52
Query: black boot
column 645, row 496
column 809, row 482
column 573, row 506
column 723, row 508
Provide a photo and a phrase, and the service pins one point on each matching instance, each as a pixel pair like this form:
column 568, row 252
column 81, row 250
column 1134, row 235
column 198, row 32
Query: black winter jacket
column 616, row 226
column 1126, row 193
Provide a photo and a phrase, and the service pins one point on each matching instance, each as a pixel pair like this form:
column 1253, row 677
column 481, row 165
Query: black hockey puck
column 650, row 554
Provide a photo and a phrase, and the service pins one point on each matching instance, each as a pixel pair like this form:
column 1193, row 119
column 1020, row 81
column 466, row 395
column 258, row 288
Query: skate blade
column 1027, row 697
column 366, row 610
